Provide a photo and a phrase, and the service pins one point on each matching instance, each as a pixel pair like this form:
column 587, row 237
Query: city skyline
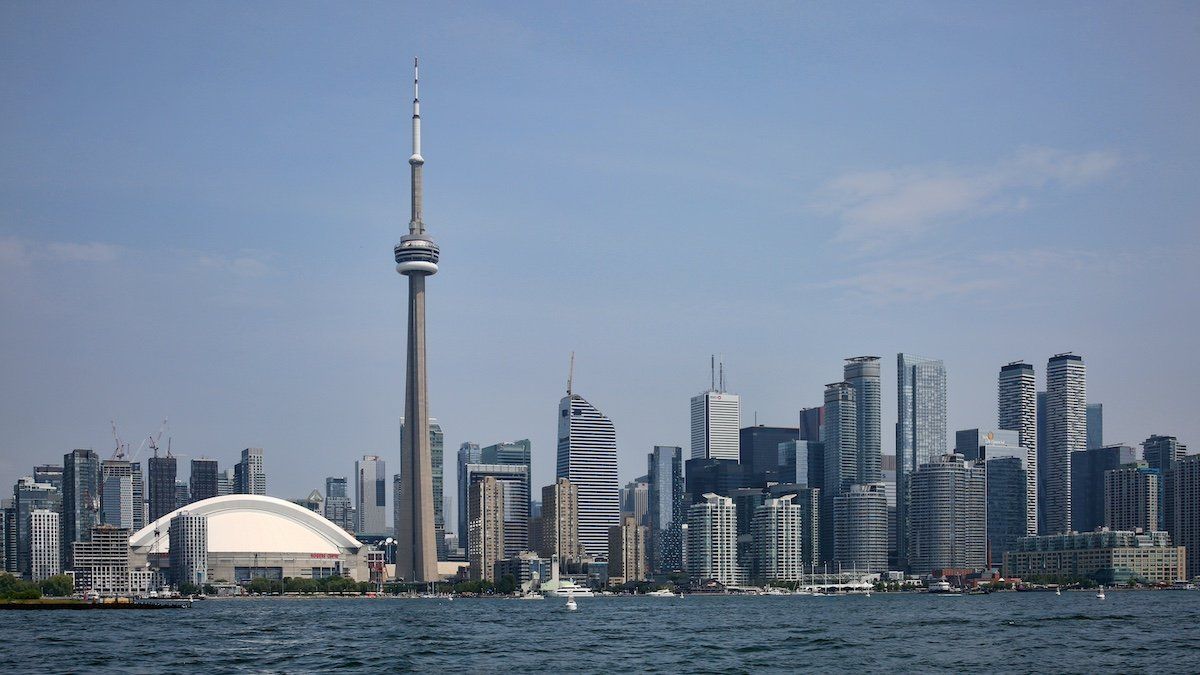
column 297, row 342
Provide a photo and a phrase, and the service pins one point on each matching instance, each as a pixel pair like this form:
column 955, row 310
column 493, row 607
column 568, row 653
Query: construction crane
column 153, row 440
column 119, row 452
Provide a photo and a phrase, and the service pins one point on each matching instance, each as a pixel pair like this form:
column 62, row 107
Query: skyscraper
column 416, row 258
column 338, row 508
column 1007, row 509
column 560, row 521
column 920, row 429
column 49, row 473
column 370, row 494
column 1042, row 463
column 778, row 536
column 162, row 472
column 122, row 494
column 1095, row 425
column 860, row 537
column 635, row 499
column 248, row 474
column 226, row 482
column 667, row 508
column 182, row 496
column 30, row 496
column 1131, row 497
column 1183, row 508
column 716, row 417
column 1016, row 403
column 1087, row 483
column 468, row 453
column 1161, row 452
column 514, row 482
column 202, row 484
column 811, row 421
column 758, row 448
column 627, row 550
column 45, row 554
column 188, row 545
column 1066, row 432
column 485, row 515
column 862, row 373
column 841, row 455
column 511, row 452
column 712, row 541
column 587, row 455
column 80, row 499
column 949, row 525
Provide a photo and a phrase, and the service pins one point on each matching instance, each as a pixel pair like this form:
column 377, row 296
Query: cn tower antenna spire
column 416, row 225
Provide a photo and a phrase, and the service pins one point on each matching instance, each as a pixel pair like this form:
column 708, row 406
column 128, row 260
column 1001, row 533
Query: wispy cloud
column 999, row 273
column 242, row 265
column 89, row 252
column 877, row 208
column 17, row 252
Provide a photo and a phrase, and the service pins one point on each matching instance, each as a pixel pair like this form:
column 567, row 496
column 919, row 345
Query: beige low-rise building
column 1105, row 556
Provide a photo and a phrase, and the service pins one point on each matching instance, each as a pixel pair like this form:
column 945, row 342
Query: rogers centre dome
column 257, row 536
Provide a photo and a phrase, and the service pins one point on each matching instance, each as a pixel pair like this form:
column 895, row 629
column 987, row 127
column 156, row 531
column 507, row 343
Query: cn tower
column 416, row 258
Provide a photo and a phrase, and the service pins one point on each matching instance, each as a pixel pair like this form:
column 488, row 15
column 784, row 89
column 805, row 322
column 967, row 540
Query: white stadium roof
column 253, row 524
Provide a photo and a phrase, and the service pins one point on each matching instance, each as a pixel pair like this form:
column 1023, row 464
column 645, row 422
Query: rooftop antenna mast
column 721, row 378
column 571, row 374
column 712, row 372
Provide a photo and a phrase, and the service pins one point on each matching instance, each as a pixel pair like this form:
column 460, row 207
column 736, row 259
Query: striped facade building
column 587, row 456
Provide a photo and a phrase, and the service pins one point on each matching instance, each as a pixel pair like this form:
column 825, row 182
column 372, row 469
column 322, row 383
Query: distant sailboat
column 1100, row 594
column 571, row 606
column 1057, row 591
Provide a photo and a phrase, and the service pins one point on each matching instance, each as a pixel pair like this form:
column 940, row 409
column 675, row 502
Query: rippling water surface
column 1025, row 632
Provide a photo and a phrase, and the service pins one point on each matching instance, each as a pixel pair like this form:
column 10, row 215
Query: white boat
column 940, row 587
column 1100, row 594
column 568, row 588
column 663, row 593
column 571, row 606
column 1058, row 591
column 532, row 596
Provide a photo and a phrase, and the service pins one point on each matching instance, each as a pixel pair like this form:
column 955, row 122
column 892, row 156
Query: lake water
column 1023, row 632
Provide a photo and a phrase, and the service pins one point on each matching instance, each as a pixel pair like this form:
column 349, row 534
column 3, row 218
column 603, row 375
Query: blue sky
column 198, row 202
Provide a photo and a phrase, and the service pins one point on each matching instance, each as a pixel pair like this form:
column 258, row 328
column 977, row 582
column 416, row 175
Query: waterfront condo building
column 1016, row 403
column 560, row 522
column 485, row 515
column 920, row 429
column 712, row 541
column 666, row 509
column 1182, row 502
column 188, row 548
column 777, row 531
column 860, row 539
column 627, row 558
column 45, row 555
column 949, row 519
column 1066, row 432
column 1106, row 557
